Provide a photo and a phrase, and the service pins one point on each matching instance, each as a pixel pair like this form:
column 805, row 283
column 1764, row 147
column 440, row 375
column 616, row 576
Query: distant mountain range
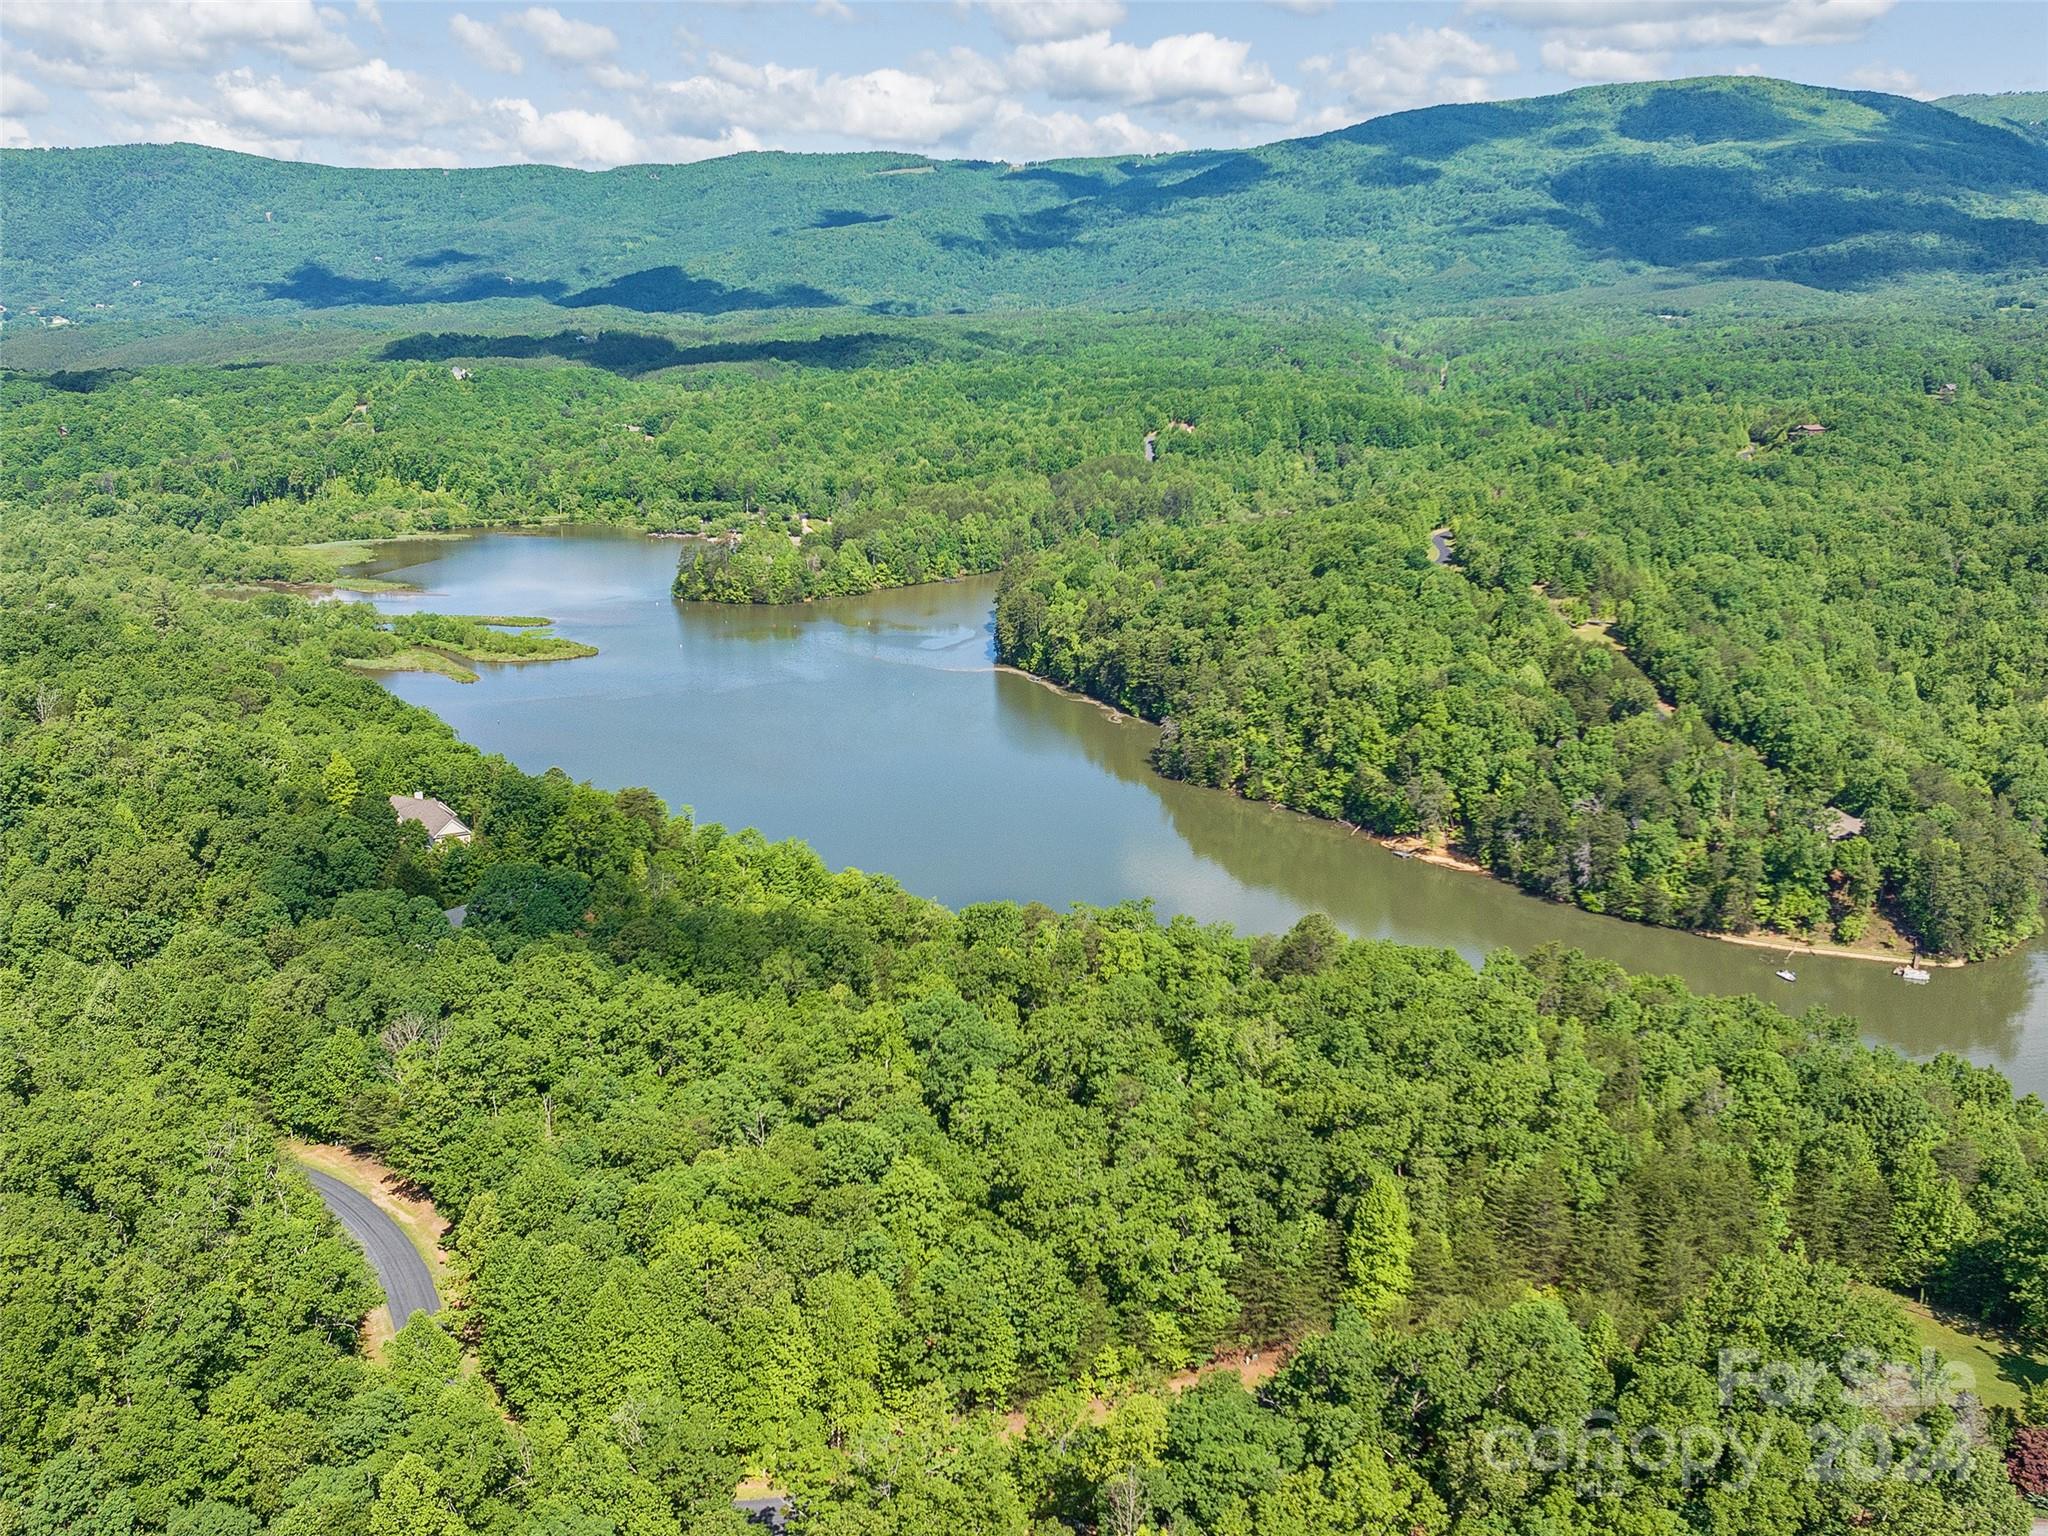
column 2026, row 112
column 1673, row 183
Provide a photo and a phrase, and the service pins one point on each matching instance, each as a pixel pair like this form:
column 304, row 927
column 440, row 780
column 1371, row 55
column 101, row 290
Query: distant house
column 440, row 822
column 460, row 373
column 1841, row 824
column 1810, row 428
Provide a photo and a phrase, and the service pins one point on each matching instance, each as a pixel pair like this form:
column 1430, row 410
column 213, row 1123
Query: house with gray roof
column 440, row 822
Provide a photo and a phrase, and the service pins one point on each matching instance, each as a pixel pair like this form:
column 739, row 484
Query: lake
column 879, row 731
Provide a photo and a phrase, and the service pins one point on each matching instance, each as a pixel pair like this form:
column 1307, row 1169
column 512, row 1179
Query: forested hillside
column 755, row 1168
column 1647, row 185
column 2025, row 112
column 1642, row 492
column 1679, row 637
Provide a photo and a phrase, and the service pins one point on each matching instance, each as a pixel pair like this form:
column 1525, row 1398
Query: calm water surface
column 878, row 730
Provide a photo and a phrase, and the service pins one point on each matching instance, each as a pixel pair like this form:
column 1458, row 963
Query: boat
column 1912, row 973
column 1788, row 976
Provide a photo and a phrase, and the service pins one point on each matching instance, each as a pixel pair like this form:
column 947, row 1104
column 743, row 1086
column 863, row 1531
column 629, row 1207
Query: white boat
column 1788, row 976
column 1913, row 973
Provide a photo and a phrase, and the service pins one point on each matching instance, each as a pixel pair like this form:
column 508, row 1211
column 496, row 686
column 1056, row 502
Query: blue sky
column 399, row 83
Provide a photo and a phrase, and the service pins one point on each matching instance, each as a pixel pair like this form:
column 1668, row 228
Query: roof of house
column 430, row 813
column 1841, row 824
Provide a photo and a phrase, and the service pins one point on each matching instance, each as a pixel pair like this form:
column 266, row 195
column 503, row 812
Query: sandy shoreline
column 1409, row 846
column 1115, row 714
column 1405, row 846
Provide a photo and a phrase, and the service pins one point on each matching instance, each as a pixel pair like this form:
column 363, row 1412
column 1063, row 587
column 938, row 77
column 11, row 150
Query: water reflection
column 878, row 730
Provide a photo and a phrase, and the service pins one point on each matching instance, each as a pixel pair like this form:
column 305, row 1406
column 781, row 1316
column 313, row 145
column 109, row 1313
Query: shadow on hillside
column 658, row 290
column 1142, row 192
column 1704, row 114
column 672, row 291
column 1391, row 170
column 81, row 381
column 320, row 287
column 631, row 353
column 846, row 218
column 449, row 257
column 1690, row 215
column 1437, row 133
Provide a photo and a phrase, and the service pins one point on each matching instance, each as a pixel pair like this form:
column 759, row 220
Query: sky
column 423, row 83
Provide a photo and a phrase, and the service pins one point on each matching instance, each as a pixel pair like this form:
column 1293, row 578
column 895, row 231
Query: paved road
column 408, row 1286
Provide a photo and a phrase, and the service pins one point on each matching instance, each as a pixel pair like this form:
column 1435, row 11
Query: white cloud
column 18, row 95
column 1015, row 134
column 1037, row 21
column 171, row 32
column 409, row 157
column 371, row 101
column 1416, row 68
column 1898, row 82
column 139, row 99
column 1199, row 73
column 955, row 102
column 610, row 77
column 69, row 72
column 1593, row 61
column 882, row 106
column 1303, row 7
column 484, row 43
column 573, row 42
column 677, row 149
column 1645, row 25
column 568, row 137
column 833, row 10
column 14, row 135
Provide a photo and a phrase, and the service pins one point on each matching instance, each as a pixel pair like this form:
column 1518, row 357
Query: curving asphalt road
column 408, row 1285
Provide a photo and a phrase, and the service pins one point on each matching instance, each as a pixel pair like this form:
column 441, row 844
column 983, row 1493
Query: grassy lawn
column 372, row 584
column 415, row 658
column 2001, row 1370
column 356, row 551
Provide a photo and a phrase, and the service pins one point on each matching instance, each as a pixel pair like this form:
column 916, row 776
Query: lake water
column 879, row 731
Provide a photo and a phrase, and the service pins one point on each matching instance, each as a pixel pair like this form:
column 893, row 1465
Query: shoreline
column 1410, row 846
column 834, row 597
column 368, row 586
column 1404, row 846
column 1116, row 715
column 459, row 663
column 1763, row 938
